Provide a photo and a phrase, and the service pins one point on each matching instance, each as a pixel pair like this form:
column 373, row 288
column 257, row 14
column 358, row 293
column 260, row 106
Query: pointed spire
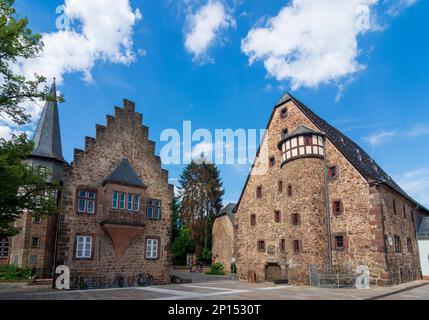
column 47, row 138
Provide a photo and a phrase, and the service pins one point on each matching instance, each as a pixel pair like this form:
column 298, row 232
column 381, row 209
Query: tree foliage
column 182, row 245
column 201, row 195
column 22, row 187
column 17, row 43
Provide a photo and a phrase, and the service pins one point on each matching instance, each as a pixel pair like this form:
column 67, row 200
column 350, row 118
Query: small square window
column 285, row 132
column 398, row 245
column 410, row 245
column 337, row 207
column 339, row 242
column 261, row 245
column 289, row 190
column 283, row 113
column 282, row 245
column 333, row 172
column 296, row 246
column 295, row 219
column 277, row 216
column 280, row 186
column 272, row 162
column 35, row 242
column 253, row 220
column 259, row 192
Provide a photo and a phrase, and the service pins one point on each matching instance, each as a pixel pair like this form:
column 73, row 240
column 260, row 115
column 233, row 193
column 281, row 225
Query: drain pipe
column 327, row 206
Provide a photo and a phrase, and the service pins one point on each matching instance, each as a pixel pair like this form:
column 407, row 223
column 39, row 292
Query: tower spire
column 47, row 138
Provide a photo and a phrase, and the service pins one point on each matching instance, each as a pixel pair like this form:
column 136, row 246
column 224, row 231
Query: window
column 282, row 245
column 333, row 172
column 296, row 246
column 295, row 219
column 130, row 202
column 410, row 245
column 284, row 133
column 259, row 192
column 151, row 248
column 308, row 140
column 136, row 202
column 122, row 200
column 277, row 216
column 398, row 246
column 272, row 162
column 153, row 209
column 33, row 259
column 83, row 247
column 339, row 242
column 261, row 245
column 289, row 190
column 37, row 219
column 86, row 201
column 4, row 248
column 115, row 196
column 253, row 220
column 404, row 211
column 283, row 113
column 280, row 186
column 35, row 242
column 337, row 207
column 394, row 207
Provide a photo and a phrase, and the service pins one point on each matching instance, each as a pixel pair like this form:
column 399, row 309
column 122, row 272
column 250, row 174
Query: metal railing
column 79, row 282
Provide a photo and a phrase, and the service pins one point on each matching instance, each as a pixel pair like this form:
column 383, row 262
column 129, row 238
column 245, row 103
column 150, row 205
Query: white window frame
column 136, row 202
column 86, row 249
column 122, row 200
column 152, row 246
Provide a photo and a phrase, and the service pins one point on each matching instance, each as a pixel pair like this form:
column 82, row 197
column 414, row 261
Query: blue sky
column 189, row 60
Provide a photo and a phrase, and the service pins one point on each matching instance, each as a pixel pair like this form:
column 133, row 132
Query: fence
column 332, row 277
column 119, row 281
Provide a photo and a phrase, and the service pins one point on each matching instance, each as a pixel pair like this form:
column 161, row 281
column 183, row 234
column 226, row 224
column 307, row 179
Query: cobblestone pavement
column 218, row 289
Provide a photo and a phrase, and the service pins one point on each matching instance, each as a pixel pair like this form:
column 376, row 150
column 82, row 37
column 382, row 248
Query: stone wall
column 124, row 136
column 223, row 241
column 360, row 222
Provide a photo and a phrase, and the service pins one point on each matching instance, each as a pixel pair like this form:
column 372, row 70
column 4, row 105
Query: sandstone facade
column 223, row 241
column 289, row 207
column 119, row 238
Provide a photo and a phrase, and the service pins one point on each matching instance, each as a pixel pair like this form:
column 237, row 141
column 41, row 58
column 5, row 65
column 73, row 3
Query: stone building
column 223, row 236
column 314, row 198
column 115, row 204
column 34, row 246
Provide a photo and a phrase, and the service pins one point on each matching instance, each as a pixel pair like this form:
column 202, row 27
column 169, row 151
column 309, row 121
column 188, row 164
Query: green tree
column 182, row 245
column 22, row 187
column 17, row 43
column 176, row 222
column 201, row 195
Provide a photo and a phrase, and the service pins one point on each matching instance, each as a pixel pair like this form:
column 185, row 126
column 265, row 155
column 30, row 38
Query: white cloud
column 416, row 183
column 311, row 42
column 397, row 6
column 203, row 148
column 376, row 139
column 103, row 32
column 204, row 28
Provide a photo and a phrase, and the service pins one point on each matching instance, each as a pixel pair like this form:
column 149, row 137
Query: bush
column 216, row 269
column 14, row 273
column 205, row 257
column 182, row 245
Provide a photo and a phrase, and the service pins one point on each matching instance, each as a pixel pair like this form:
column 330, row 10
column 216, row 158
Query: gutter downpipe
column 327, row 207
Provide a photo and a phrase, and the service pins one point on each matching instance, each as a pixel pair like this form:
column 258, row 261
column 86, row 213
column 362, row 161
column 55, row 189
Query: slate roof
column 125, row 174
column 423, row 230
column 47, row 137
column 366, row 166
column 228, row 210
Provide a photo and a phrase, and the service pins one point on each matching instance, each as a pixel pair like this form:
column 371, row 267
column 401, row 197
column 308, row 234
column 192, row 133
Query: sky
column 360, row 64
